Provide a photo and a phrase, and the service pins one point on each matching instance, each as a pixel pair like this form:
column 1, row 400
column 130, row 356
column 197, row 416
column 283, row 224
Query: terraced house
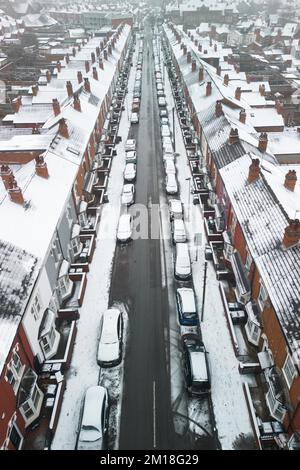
column 250, row 204
column 53, row 182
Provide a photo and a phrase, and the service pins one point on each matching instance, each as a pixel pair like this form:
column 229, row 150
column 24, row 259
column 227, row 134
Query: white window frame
column 16, row 372
column 262, row 296
column 289, row 370
column 82, row 219
column 75, row 246
column 64, row 285
column 31, row 406
column 251, row 327
column 275, row 408
column 17, row 430
column 36, row 307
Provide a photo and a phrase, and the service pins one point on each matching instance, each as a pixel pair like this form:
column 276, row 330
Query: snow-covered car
column 94, row 419
column 124, row 232
column 160, row 93
column 166, row 140
column 168, row 148
column 127, row 197
column 186, row 306
column 178, row 230
column 134, row 118
column 159, row 86
column 170, row 167
column 182, row 269
column 171, row 184
column 165, row 130
column 130, row 145
column 130, row 172
column 164, row 121
column 163, row 113
column 196, row 365
column 175, row 209
column 131, row 156
column 168, row 156
column 162, row 102
column 110, row 342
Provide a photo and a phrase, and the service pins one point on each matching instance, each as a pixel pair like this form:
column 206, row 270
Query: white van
column 182, row 270
column 179, row 234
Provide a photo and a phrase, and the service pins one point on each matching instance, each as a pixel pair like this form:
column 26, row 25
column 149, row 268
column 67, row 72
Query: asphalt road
column 146, row 417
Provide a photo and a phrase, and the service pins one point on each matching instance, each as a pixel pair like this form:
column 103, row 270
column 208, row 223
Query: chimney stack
column 105, row 54
column 97, row 51
column 219, row 110
column 189, row 57
column 193, row 66
column 87, row 66
column 208, row 89
column 58, row 65
column 290, row 180
column 262, row 89
column 291, row 234
column 109, row 49
column 6, row 175
column 63, row 128
column 41, row 167
column 93, row 58
column 15, row 192
column 35, row 89
column 254, row 171
column 200, row 47
column 219, row 70
column 56, row 106
column 233, row 136
column 279, row 106
column 243, row 116
column 76, row 103
column 238, row 93
column 16, row 104
column 87, row 85
column 67, row 58
column 226, row 79
column 263, row 142
column 101, row 65
column 69, row 88
column 95, row 73
column 79, row 76
column 201, row 74
column 74, row 52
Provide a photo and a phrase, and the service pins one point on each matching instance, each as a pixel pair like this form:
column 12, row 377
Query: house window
column 75, row 246
column 276, row 409
column 30, row 408
column 14, row 372
column 248, row 262
column 64, row 285
column 15, row 437
column 36, row 307
column 82, row 217
column 262, row 297
column 289, row 370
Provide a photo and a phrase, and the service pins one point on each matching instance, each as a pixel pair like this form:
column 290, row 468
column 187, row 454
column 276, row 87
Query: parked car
column 186, row 307
column 111, row 336
column 94, row 419
column 131, row 156
column 166, row 140
column 127, row 197
column 175, row 209
column 159, row 86
column 163, row 113
column 171, row 184
column 130, row 145
column 178, row 230
column 168, row 148
column 160, row 94
column 165, row 130
column 130, row 172
column 164, row 121
column 168, row 156
column 134, row 118
column 162, row 102
column 124, row 232
column 182, row 269
column 196, row 366
column 170, row 167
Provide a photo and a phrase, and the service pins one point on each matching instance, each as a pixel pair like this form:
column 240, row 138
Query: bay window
column 289, row 371
column 262, row 296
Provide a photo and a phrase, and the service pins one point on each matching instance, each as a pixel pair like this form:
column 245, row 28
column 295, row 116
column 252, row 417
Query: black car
column 196, row 368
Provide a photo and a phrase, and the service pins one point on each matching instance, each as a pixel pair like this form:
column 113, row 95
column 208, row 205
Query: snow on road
column 228, row 399
column 84, row 371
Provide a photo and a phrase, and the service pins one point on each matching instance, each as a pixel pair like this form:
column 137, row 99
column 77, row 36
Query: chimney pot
column 254, row 171
column 238, row 93
column 95, row 73
column 101, row 65
column 243, row 116
column 291, row 234
column 233, row 136
column 290, row 180
column 219, row 110
column 87, row 85
column 79, row 76
column 87, row 66
column 56, row 106
column 69, row 88
column 193, row 66
column 201, row 74
column 77, row 104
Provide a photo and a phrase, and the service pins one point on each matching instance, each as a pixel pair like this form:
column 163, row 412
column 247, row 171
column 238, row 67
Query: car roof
column 171, row 178
column 175, row 205
column 92, row 415
column 124, row 220
column 130, row 165
column 130, row 141
column 188, row 298
column 110, row 325
column 128, row 186
column 178, row 224
column 198, row 366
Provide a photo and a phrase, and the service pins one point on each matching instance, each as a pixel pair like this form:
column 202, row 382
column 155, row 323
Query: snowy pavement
column 230, row 409
column 84, row 371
